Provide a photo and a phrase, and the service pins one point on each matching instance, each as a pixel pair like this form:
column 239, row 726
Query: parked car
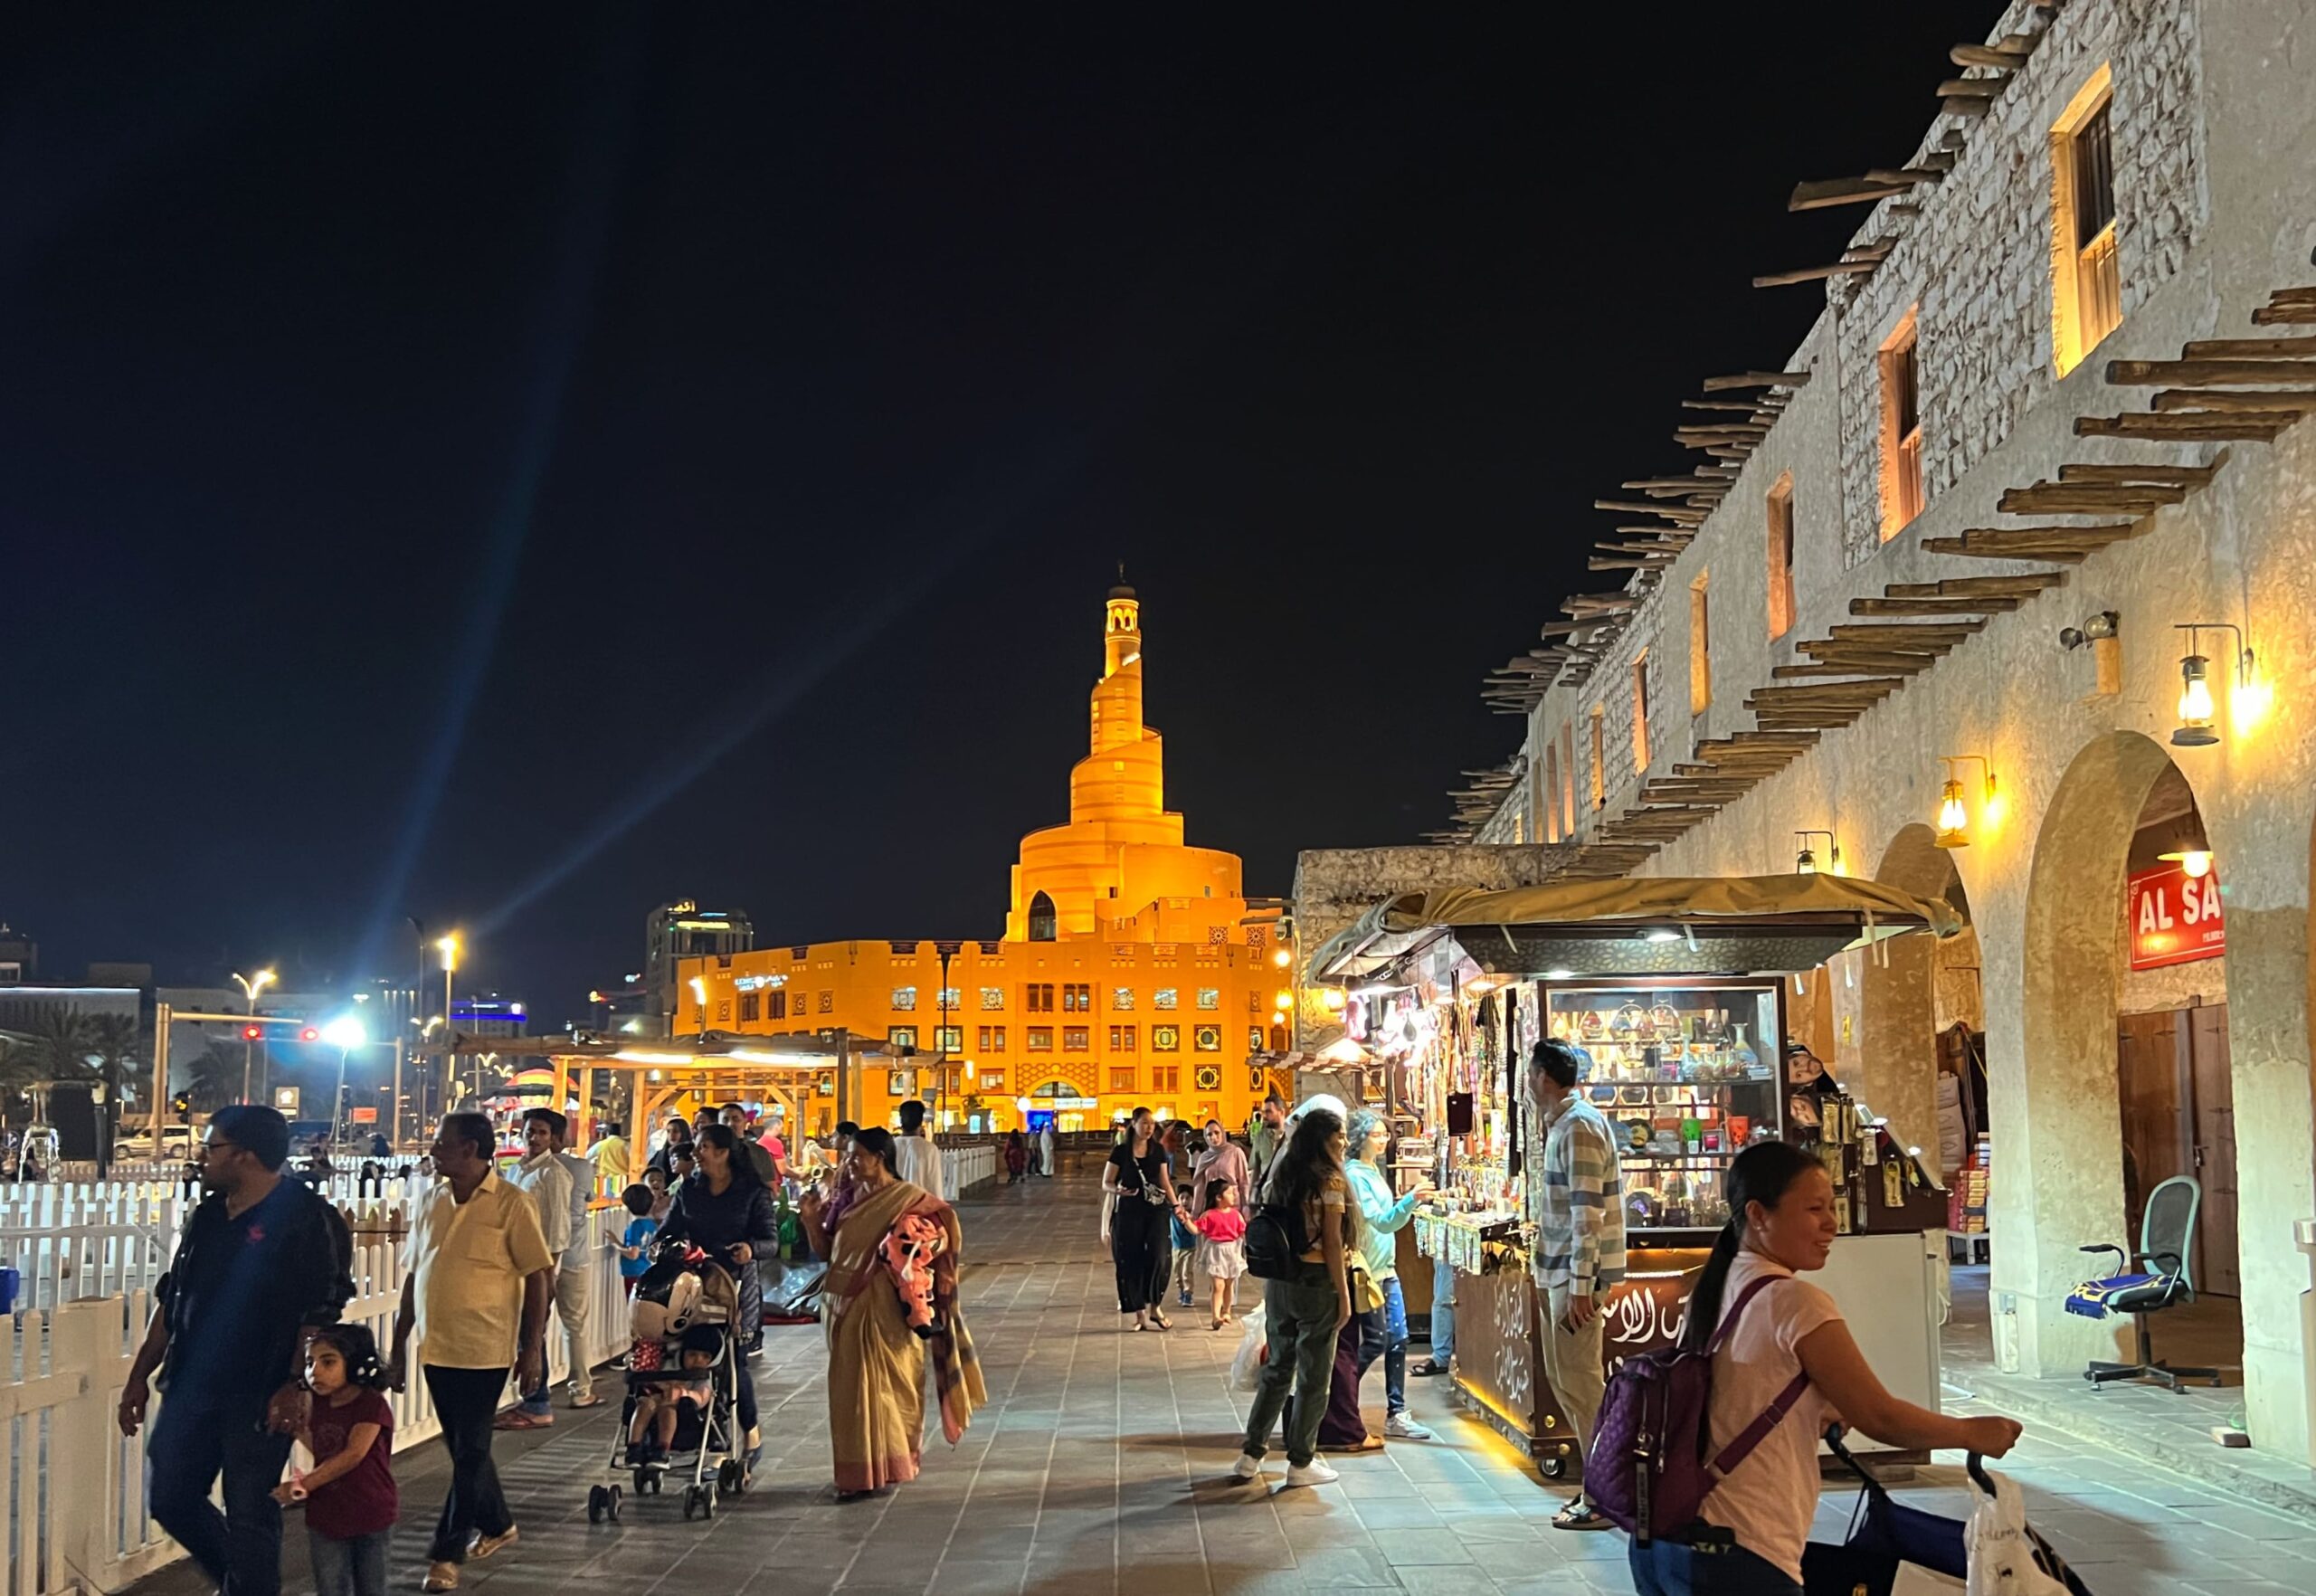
column 177, row 1143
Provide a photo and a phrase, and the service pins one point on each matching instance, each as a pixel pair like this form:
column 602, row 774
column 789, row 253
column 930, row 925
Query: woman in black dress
column 1136, row 1182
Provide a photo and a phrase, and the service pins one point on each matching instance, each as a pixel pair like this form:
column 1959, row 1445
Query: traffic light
column 309, row 1033
column 181, row 1103
column 252, row 1032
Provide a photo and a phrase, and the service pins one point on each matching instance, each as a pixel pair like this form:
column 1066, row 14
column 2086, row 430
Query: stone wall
column 1976, row 257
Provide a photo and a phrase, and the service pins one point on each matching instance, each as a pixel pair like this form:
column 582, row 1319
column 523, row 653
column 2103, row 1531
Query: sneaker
column 484, row 1546
column 1247, row 1467
column 1400, row 1427
column 1313, row 1473
column 1183, row 1300
column 440, row 1576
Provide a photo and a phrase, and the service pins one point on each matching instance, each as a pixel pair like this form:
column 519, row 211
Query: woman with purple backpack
column 1785, row 1358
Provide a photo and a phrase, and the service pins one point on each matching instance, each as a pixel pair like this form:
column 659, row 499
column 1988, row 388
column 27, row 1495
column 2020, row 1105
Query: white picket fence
column 72, row 1509
column 966, row 1168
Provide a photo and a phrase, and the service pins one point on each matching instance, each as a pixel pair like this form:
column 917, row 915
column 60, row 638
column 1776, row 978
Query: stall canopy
column 1707, row 925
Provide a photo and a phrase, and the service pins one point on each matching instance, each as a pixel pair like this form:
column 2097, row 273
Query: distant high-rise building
column 685, row 931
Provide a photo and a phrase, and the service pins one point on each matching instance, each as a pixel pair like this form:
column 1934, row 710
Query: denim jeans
column 355, row 1567
column 196, row 1439
column 1443, row 1310
column 1299, row 1320
column 1384, row 1334
column 1669, row 1568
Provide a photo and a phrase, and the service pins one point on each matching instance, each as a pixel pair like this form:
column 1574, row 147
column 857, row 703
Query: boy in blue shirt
column 637, row 1241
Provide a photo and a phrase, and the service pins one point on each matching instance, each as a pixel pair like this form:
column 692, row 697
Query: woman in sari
column 875, row 1363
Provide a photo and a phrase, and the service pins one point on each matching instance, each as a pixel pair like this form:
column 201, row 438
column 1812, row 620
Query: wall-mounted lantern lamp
column 1954, row 811
column 2197, row 711
column 1804, row 863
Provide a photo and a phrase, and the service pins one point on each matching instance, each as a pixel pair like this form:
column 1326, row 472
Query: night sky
column 513, row 468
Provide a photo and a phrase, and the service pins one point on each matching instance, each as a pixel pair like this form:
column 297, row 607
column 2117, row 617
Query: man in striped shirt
column 1576, row 1195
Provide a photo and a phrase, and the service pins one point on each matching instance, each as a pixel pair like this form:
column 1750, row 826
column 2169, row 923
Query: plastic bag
column 1253, row 1351
column 2007, row 1558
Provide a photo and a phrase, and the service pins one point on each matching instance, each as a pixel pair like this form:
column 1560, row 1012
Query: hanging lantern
column 2195, row 728
column 1954, row 818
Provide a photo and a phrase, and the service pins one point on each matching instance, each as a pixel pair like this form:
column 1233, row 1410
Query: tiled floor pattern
column 1099, row 1468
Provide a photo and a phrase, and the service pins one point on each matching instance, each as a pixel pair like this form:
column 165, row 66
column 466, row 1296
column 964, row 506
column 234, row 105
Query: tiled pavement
column 1099, row 1467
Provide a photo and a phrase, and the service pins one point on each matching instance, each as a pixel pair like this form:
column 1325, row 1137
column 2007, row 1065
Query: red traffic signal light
column 252, row 1032
column 309, row 1033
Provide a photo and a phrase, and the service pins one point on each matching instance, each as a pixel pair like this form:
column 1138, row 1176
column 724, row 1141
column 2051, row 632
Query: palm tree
column 216, row 1076
column 58, row 1045
column 117, row 1044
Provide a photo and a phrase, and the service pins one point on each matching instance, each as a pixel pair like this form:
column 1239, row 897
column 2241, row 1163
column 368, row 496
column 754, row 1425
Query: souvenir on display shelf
column 1676, row 1069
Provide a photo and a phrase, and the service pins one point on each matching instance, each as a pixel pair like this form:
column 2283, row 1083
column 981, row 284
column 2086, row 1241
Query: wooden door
column 2213, row 1130
column 2153, row 1081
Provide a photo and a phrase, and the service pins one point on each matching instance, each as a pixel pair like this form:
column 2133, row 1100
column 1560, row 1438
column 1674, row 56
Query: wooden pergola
column 718, row 1067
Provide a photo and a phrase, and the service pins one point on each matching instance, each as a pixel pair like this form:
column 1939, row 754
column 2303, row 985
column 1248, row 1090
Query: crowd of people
column 248, row 1341
column 247, row 1337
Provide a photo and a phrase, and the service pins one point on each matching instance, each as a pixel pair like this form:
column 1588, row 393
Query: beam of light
column 559, row 330
column 782, row 686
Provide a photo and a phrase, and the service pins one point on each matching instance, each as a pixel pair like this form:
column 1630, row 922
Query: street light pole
column 448, row 947
column 947, row 950
column 251, row 987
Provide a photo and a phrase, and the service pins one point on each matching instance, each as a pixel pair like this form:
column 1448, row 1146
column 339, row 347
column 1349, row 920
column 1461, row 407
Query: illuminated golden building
column 1133, row 970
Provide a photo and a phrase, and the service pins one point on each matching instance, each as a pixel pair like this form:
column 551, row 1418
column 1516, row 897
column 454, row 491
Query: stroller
column 1885, row 1535
column 685, row 1303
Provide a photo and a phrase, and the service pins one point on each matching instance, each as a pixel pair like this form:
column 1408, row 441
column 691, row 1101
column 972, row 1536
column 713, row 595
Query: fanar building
column 1134, row 969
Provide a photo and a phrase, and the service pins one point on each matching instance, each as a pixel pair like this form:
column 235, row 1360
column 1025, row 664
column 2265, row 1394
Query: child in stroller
column 681, row 1398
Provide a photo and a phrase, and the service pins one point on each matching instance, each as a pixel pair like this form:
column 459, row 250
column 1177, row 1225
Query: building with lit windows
column 1134, row 970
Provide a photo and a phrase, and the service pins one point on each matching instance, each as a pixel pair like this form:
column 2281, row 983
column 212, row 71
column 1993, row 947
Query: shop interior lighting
column 1660, row 934
column 1559, row 975
column 1953, row 828
column 2197, row 711
column 2196, row 862
column 1804, row 863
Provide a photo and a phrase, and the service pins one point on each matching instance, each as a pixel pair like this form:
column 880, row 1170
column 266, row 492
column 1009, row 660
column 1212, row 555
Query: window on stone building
column 827, row 1003
column 2086, row 280
column 1038, row 997
column 1122, row 1078
column 1167, row 1077
column 949, row 1039
column 1568, row 781
column 1901, row 428
column 1165, row 997
column 991, row 1039
column 901, row 1035
column 1700, row 647
column 1076, row 1038
column 1041, row 1038
column 1209, row 997
column 1166, row 1039
column 1640, row 713
column 1207, row 1038
column 1254, row 1039
column 1600, row 757
column 776, row 1004
column 1077, row 998
column 751, row 1007
column 992, row 997
column 951, row 998
column 1121, row 1040
column 904, row 997
column 1121, row 997
column 1045, row 923
column 1780, row 519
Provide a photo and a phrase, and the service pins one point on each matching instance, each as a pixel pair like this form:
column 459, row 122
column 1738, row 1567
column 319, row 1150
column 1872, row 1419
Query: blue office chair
column 2161, row 1276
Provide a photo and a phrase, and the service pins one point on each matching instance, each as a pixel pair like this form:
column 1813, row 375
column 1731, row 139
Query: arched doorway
column 1059, row 1104
column 1044, row 923
column 1921, row 1022
column 2111, row 1055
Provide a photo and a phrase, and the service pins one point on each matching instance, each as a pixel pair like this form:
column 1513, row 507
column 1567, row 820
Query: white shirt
column 920, row 1164
column 1769, row 1499
column 548, row 1183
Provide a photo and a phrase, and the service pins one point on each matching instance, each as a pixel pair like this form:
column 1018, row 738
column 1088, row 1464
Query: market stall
column 1674, row 990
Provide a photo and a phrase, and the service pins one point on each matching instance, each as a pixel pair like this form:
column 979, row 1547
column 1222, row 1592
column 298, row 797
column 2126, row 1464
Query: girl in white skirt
column 1221, row 1246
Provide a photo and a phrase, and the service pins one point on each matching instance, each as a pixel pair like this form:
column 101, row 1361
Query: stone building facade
column 2212, row 212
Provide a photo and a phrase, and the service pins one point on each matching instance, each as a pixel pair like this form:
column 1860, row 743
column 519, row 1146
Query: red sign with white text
column 2175, row 919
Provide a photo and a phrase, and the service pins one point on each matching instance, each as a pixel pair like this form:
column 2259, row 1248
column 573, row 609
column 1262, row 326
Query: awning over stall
column 1708, row 924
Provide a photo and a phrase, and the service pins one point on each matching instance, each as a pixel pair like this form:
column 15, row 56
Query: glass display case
column 1688, row 1073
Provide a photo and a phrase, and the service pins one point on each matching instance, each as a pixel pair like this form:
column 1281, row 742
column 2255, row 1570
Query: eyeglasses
column 214, row 1146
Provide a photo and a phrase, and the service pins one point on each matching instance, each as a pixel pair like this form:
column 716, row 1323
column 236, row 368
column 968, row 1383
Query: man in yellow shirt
column 610, row 1157
column 478, row 1279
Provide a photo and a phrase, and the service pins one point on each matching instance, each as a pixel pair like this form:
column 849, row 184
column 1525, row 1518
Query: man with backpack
column 1576, row 1194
